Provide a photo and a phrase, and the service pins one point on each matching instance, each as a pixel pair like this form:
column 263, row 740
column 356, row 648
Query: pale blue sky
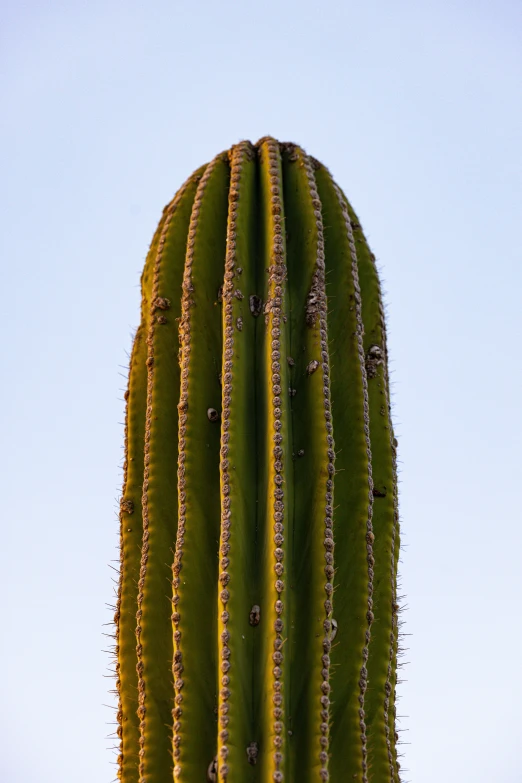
column 416, row 108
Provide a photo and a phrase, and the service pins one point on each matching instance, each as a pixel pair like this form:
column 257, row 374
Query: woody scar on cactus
column 257, row 616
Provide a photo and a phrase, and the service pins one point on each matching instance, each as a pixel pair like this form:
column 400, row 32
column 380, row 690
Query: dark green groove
column 259, row 379
column 259, row 685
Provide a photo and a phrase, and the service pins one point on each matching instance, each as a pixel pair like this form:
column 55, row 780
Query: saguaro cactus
column 259, row 517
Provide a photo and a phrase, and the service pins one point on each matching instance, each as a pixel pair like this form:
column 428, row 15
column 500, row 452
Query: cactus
column 259, row 520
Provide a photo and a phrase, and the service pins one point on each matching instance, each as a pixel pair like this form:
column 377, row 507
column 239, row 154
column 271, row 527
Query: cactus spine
column 258, row 554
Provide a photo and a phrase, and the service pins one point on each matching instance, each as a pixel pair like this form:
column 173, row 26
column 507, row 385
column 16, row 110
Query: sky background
column 107, row 107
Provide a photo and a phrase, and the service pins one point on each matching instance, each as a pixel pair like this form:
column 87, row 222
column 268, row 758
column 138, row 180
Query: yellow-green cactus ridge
column 256, row 621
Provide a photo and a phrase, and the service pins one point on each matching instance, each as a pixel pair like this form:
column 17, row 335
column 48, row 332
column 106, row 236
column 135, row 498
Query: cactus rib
column 195, row 563
column 237, row 469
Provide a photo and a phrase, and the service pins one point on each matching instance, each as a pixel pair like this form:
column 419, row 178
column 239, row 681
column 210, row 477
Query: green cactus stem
column 257, row 617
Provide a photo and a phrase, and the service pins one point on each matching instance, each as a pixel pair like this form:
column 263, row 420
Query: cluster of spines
column 185, row 345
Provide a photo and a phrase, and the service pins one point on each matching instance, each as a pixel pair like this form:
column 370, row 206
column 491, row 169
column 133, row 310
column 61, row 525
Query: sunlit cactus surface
column 257, row 615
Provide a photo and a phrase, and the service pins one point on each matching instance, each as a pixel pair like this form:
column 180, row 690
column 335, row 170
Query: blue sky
column 415, row 107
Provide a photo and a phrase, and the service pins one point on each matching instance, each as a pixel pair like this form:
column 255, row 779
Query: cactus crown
column 256, row 623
